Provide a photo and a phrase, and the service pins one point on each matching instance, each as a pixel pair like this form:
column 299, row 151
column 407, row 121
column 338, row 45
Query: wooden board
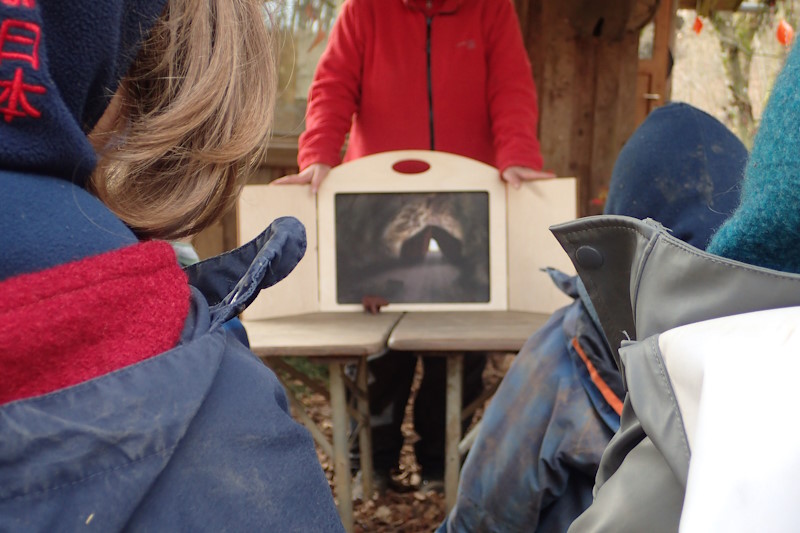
column 613, row 122
column 520, row 243
column 465, row 331
column 321, row 334
column 558, row 86
column 587, row 95
column 446, row 173
column 258, row 206
column 218, row 238
column 532, row 209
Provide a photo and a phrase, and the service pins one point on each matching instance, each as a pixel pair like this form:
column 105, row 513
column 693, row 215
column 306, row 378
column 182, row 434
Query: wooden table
column 338, row 338
column 335, row 339
column 454, row 335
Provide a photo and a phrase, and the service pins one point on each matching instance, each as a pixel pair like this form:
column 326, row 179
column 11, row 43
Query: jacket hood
column 764, row 229
column 60, row 63
column 681, row 167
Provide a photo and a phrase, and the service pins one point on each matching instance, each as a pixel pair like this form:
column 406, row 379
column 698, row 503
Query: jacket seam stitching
column 88, row 477
column 45, row 398
column 755, row 269
column 584, row 230
column 677, row 243
column 673, row 400
column 640, row 268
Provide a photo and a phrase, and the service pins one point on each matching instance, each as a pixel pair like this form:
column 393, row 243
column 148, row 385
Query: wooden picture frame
column 257, row 207
column 521, row 244
column 429, row 191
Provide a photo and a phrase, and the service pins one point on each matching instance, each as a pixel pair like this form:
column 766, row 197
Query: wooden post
column 365, row 434
column 585, row 66
column 341, row 460
column 452, row 465
column 654, row 85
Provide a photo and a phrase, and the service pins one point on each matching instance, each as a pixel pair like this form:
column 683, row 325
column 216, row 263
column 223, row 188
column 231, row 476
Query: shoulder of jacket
column 502, row 10
column 363, row 5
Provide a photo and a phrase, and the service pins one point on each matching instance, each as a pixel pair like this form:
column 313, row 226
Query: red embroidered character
column 19, row 41
column 14, row 95
column 17, row 3
column 20, row 32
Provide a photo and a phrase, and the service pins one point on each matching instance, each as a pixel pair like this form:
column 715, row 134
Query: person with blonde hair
column 124, row 404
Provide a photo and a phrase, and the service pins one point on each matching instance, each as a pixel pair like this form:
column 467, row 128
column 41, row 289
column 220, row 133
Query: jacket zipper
column 429, row 21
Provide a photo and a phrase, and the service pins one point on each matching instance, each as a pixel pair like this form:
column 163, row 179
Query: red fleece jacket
column 374, row 77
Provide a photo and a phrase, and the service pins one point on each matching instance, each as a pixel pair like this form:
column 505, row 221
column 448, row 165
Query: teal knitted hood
column 765, row 228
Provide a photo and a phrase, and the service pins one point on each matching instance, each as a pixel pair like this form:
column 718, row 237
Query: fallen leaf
column 383, row 513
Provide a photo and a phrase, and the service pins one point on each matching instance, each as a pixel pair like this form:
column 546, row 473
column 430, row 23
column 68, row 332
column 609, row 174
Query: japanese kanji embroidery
column 19, row 43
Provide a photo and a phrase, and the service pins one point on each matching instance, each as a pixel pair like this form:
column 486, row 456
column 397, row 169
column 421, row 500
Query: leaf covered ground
column 406, row 511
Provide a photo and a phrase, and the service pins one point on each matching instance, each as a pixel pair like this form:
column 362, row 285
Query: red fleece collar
column 81, row 320
column 434, row 7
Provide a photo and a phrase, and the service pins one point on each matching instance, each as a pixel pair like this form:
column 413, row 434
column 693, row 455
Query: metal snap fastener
column 589, row 257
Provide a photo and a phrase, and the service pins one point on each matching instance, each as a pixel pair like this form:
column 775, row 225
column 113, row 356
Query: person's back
column 708, row 363
column 533, row 464
column 123, row 402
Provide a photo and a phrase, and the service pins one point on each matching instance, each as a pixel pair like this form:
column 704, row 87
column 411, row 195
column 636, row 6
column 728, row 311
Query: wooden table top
column 321, row 334
column 501, row 331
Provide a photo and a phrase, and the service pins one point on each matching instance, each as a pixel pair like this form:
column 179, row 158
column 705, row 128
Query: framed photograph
column 424, row 230
column 427, row 231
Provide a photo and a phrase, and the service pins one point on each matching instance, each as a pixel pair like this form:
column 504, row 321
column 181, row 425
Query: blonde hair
column 194, row 116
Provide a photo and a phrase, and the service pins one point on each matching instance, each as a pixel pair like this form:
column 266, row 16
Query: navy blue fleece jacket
column 124, row 404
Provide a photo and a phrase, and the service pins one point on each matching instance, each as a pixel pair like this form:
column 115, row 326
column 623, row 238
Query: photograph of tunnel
column 412, row 247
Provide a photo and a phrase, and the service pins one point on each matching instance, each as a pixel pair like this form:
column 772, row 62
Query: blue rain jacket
column 532, row 466
column 194, row 435
column 198, row 438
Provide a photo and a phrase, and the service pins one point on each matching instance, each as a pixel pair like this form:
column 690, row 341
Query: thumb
column 290, row 179
column 320, row 173
column 510, row 177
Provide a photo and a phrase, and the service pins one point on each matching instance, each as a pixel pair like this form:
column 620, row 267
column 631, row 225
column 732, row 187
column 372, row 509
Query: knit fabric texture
column 87, row 318
column 681, row 167
column 60, row 63
column 765, row 229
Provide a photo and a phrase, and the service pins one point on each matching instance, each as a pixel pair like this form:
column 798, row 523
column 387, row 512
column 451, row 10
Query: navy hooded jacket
column 124, row 405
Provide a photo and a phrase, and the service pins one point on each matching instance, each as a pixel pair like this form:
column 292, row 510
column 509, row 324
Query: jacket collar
column 80, row 320
column 643, row 281
column 434, row 7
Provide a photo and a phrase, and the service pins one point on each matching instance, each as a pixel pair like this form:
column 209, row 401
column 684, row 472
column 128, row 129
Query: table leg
column 452, row 464
column 341, row 452
column 365, row 434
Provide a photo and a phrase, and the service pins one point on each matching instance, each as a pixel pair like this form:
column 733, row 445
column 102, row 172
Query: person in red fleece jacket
column 445, row 75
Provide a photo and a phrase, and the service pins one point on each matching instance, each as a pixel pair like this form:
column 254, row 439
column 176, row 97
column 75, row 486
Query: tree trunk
column 736, row 32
